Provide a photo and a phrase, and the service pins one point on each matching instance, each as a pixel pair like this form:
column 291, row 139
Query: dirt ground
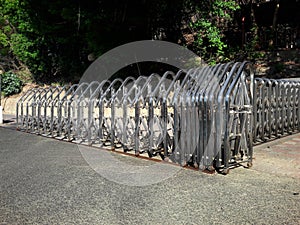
column 279, row 64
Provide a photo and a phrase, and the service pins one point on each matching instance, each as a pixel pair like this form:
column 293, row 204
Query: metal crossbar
column 202, row 117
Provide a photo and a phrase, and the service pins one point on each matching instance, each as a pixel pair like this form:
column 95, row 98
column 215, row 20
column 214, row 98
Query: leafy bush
column 209, row 25
column 10, row 84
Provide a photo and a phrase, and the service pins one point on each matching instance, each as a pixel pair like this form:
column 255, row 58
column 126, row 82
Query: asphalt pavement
column 47, row 181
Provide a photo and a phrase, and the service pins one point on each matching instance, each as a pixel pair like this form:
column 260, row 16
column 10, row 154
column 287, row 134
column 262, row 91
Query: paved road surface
column 46, row 181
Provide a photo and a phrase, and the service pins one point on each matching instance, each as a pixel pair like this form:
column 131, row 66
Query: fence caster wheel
column 211, row 169
column 249, row 164
column 166, row 159
column 225, row 171
column 196, row 165
column 201, row 167
column 184, row 164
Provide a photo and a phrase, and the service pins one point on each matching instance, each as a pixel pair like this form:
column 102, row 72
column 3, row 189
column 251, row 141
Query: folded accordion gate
column 205, row 117
column 276, row 108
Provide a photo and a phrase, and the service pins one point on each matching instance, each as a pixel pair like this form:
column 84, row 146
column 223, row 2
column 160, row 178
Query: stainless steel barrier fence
column 276, row 108
column 202, row 117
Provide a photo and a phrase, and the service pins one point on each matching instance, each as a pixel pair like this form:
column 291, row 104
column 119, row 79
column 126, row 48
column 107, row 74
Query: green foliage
column 251, row 50
column 15, row 29
column 278, row 67
column 209, row 27
column 3, row 40
column 208, row 39
column 10, row 84
column 54, row 38
column 34, row 35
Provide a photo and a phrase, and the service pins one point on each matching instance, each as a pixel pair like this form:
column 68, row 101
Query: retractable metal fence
column 276, row 108
column 202, row 117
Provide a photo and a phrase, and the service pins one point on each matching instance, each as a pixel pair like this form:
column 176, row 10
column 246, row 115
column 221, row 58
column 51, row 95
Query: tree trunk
column 274, row 25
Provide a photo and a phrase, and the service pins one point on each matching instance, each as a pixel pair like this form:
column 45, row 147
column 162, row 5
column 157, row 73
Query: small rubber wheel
column 184, row 164
column 202, row 167
column 249, row 164
column 211, row 168
column 225, row 171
